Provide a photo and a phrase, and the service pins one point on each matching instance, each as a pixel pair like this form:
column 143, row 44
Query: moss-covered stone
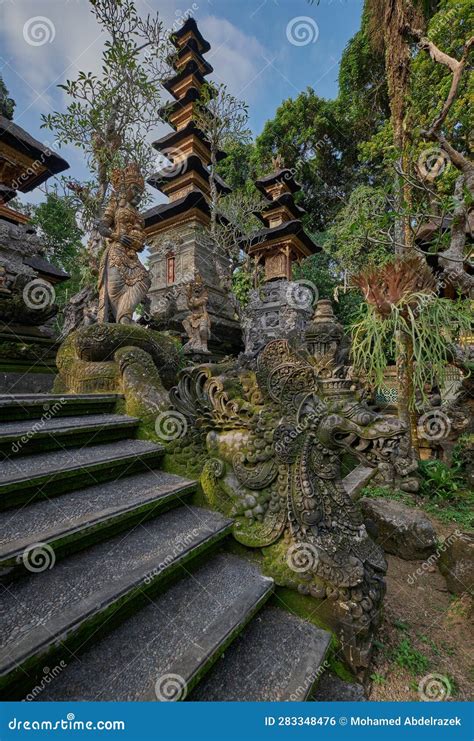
column 100, row 342
column 141, row 385
column 40, row 356
column 309, row 609
column 77, row 376
column 123, row 359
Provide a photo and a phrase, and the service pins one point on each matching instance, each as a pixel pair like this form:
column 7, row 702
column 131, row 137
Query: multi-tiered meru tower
column 178, row 231
column 284, row 240
column 281, row 307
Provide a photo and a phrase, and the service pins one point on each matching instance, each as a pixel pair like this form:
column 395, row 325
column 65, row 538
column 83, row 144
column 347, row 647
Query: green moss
column 303, row 606
column 308, row 609
column 36, row 357
column 250, row 554
column 100, row 342
column 215, row 494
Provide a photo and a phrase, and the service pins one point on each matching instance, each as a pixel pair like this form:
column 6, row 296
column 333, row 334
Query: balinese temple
column 179, row 252
column 283, row 241
column 27, row 309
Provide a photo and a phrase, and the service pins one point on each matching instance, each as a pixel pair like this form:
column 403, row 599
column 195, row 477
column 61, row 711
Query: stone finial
column 326, row 341
column 278, row 162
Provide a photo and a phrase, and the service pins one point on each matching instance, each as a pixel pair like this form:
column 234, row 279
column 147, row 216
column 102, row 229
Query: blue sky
column 264, row 50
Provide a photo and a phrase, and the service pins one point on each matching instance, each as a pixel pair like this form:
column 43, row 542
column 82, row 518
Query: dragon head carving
column 274, row 440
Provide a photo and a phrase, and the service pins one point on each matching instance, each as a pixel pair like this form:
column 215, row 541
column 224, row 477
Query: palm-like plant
column 402, row 304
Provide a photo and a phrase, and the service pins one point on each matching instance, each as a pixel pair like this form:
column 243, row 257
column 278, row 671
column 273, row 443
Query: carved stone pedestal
column 175, row 259
column 280, row 309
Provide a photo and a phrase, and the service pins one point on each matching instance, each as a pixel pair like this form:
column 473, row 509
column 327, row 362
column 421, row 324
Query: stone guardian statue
column 198, row 323
column 123, row 280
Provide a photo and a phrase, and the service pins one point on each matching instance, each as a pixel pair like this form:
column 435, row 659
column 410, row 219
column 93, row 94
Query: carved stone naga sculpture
column 123, row 280
column 274, row 436
column 198, row 323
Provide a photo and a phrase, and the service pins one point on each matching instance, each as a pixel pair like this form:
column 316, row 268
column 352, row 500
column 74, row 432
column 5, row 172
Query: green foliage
column 318, row 145
column 400, row 625
column 462, row 452
column 355, row 237
column 410, row 658
column 458, row 511
column 439, row 481
column 7, row 104
column 321, row 138
column 110, row 114
column 55, row 220
column 434, row 325
column 363, row 94
column 449, row 29
column 384, row 492
column 242, row 284
column 325, row 272
column 378, row 678
column 236, row 169
column 222, row 117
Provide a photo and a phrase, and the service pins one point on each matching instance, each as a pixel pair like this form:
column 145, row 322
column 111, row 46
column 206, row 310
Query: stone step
column 331, row 688
column 53, row 615
column 77, row 519
column 35, row 406
column 26, row 437
column 42, row 476
column 355, row 481
column 278, row 657
column 164, row 649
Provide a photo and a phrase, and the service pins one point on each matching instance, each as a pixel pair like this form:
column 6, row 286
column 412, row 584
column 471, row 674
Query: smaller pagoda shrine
column 283, row 241
column 178, row 231
column 281, row 307
column 27, row 277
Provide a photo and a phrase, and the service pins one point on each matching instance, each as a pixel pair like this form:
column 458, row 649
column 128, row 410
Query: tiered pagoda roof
column 186, row 181
column 25, row 163
column 283, row 240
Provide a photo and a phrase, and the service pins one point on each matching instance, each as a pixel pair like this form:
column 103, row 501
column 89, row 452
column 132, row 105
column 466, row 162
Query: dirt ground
column 425, row 646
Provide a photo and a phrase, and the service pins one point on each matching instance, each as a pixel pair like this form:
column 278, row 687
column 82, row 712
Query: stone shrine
column 281, row 308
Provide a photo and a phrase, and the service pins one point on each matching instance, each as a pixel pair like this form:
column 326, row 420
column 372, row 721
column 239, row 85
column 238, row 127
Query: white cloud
column 73, row 41
column 236, row 57
column 47, row 42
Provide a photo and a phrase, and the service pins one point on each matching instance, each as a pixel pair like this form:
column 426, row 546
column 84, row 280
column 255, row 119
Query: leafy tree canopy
column 7, row 104
column 317, row 144
column 55, row 219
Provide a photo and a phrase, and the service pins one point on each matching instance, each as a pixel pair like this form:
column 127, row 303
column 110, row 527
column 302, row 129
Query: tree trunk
column 213, row 189
column 397, row 64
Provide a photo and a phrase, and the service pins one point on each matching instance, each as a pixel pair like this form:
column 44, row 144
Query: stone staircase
column 115, row 585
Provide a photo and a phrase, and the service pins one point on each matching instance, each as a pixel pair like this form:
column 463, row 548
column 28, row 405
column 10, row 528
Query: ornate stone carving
column 138, row 363
column 326, row 341
column 80, row 311
column 276, row 430
column 278, row 309
column 123, row 280
column 4, row 282
column 19, row 246
column 197, row 324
